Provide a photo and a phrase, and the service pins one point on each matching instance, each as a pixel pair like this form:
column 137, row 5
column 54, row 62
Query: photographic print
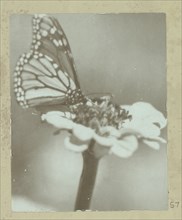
column 88, row 112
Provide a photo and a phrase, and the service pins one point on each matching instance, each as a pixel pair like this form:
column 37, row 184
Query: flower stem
column 87, row 181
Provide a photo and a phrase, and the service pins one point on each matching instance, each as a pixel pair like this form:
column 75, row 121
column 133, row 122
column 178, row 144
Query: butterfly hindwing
column 38, row 81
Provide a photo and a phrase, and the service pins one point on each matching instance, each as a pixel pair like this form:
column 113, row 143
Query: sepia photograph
column 88, row 112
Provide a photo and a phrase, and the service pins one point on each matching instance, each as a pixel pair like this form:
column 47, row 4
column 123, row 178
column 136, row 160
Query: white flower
column 114, row 132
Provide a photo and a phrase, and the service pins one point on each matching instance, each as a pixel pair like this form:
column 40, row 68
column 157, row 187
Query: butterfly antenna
column 101, row 94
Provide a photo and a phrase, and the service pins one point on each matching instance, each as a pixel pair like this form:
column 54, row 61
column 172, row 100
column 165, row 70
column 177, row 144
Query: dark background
column 122, row 54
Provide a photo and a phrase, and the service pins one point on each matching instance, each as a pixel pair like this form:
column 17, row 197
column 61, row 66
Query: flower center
column 96, row 113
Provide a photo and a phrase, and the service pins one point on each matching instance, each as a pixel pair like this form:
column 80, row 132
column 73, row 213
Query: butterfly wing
column 50, row 39
column 45, row 75
column 38, row 82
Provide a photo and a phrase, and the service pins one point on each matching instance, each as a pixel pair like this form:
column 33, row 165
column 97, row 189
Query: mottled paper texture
column 170, row 10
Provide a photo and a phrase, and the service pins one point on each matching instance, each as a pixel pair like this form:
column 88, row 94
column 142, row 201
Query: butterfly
column 46, row 75
column 45, row 78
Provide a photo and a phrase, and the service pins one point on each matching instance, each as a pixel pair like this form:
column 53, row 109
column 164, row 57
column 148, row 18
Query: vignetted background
column 123, row 54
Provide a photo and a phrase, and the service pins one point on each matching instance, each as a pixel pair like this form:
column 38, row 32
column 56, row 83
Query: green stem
column 87, row 179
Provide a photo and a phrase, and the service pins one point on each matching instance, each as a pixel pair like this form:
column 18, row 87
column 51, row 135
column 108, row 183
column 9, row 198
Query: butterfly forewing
column 50, row 39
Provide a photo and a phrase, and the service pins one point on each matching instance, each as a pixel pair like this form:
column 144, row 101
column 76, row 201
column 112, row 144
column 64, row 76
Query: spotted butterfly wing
column 50, row 39
column 47, row 75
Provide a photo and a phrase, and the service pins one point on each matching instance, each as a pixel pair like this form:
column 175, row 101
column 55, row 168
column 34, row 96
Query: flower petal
column 82, row 132
column 146, row 112
column 58, row 119
column 145, row 128
column 162, row 140
column 110, row 130
column 104, row 141
column 74, row 147
column 120, row 152
column 125, row 147
column 128, row 131
column 156, row 139
column 153, row 144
